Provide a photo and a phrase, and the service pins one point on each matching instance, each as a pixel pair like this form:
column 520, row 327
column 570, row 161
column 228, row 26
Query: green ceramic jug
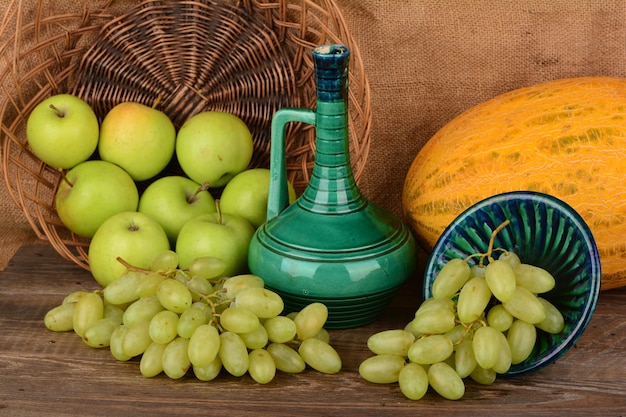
column 331, row 245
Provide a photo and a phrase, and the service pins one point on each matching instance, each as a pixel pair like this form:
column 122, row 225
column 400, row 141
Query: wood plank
column 55, row 374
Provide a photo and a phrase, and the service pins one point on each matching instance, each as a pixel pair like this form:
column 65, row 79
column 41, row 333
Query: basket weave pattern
column 247, row 57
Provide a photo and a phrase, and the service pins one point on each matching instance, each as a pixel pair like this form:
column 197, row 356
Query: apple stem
column 157, row 102
column 203, row 187
column 219, row 211
column 57, row 111
column 64, row 177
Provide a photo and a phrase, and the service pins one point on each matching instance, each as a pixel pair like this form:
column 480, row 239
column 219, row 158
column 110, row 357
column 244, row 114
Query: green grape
column 256, row 339
column 430, row 349
column 280, row 329
column 525, row 306
column 261, row 301
column 166, row 260
column 113, row 311
column 60, row 318
column 434, row 304
column 163, row 327
column 391, row 342
column 286, row 358
column 195, row 316
column 310, row 320
column 451, row 278
column 409, row 328
column 149, row 284
column 233, row 353
column 204, row 345
column 382, row 369
column 174, row 295
column 500, row 278
column 445, row 381
column 477, row 271
column 176, row 361
column 136, row 339
column 323, row 335
column 210, row 372
column 233, row 285
column 503, row 364
column 239, row 320
column 485, row 344
column 473, row 300
column 511, row 258
column 199, row 286
column 464, row 359
column 459, row 333
column 88, row 309
column 123, row 289
column 261, row 366
column 413, row 381
column 521, row 337
column 74, row 296
column 499, row 318
column 142, row 310
column 98, row 334
column 207, row 267
column 320, row 356
column 434, row 321
column 151, row 362
column 115, row 343
column 535, row 279
column 483, row 376
column 554, row 321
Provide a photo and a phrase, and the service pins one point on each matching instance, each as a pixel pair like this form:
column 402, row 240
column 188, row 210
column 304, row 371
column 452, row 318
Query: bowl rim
column 591, row 250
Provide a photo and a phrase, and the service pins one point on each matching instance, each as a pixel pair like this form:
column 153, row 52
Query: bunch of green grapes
column 175, row 320
column 480, row 320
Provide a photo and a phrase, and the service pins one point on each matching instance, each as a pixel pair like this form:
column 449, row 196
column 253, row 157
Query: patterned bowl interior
column 543, row 231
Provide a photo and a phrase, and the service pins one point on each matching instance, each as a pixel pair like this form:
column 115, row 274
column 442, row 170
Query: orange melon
column 564, row 137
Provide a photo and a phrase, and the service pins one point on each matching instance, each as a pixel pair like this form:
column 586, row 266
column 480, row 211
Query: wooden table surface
column 43, row 373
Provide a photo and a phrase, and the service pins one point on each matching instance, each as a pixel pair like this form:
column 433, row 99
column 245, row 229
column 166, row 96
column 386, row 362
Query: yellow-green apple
column 132, row 236
column 246, row 195
column 62, row 131
column 91, row 192
column 173, row 200
column 213, row 147
column 219, row 235
column 138, row 138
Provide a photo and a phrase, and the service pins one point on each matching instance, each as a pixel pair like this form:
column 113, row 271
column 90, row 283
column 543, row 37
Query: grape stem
column 490, row 247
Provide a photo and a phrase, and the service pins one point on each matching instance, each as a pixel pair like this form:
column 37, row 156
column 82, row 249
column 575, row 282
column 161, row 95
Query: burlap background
column 428, row 60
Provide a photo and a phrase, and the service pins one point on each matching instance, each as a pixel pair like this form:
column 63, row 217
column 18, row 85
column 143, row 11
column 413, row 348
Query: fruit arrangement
column 480, row 320
column 180, row 319
column 116, row 191
column 172, row 261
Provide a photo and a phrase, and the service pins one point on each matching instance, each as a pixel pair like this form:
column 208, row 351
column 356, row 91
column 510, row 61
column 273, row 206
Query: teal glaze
column 332, row 245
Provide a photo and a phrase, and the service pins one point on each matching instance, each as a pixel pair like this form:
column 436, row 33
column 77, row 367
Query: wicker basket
column 248, row 57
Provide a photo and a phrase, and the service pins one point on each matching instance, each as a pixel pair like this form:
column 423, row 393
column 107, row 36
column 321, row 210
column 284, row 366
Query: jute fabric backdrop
column 429, row 60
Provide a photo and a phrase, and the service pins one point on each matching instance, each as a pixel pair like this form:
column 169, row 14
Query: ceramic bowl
column 543, row 231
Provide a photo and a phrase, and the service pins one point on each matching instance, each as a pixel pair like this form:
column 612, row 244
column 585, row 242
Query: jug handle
column 278, row 195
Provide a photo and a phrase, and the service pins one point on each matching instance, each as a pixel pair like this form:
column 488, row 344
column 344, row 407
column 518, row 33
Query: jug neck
column 332, row 187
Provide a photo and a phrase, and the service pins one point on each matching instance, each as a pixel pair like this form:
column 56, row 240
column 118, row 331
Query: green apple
column 138, row 138
column 174, row 200
column 91, row 192
column 135, row 237
column 213, row 147
column 62, row 131
column 246, row 195
column 219, row 235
